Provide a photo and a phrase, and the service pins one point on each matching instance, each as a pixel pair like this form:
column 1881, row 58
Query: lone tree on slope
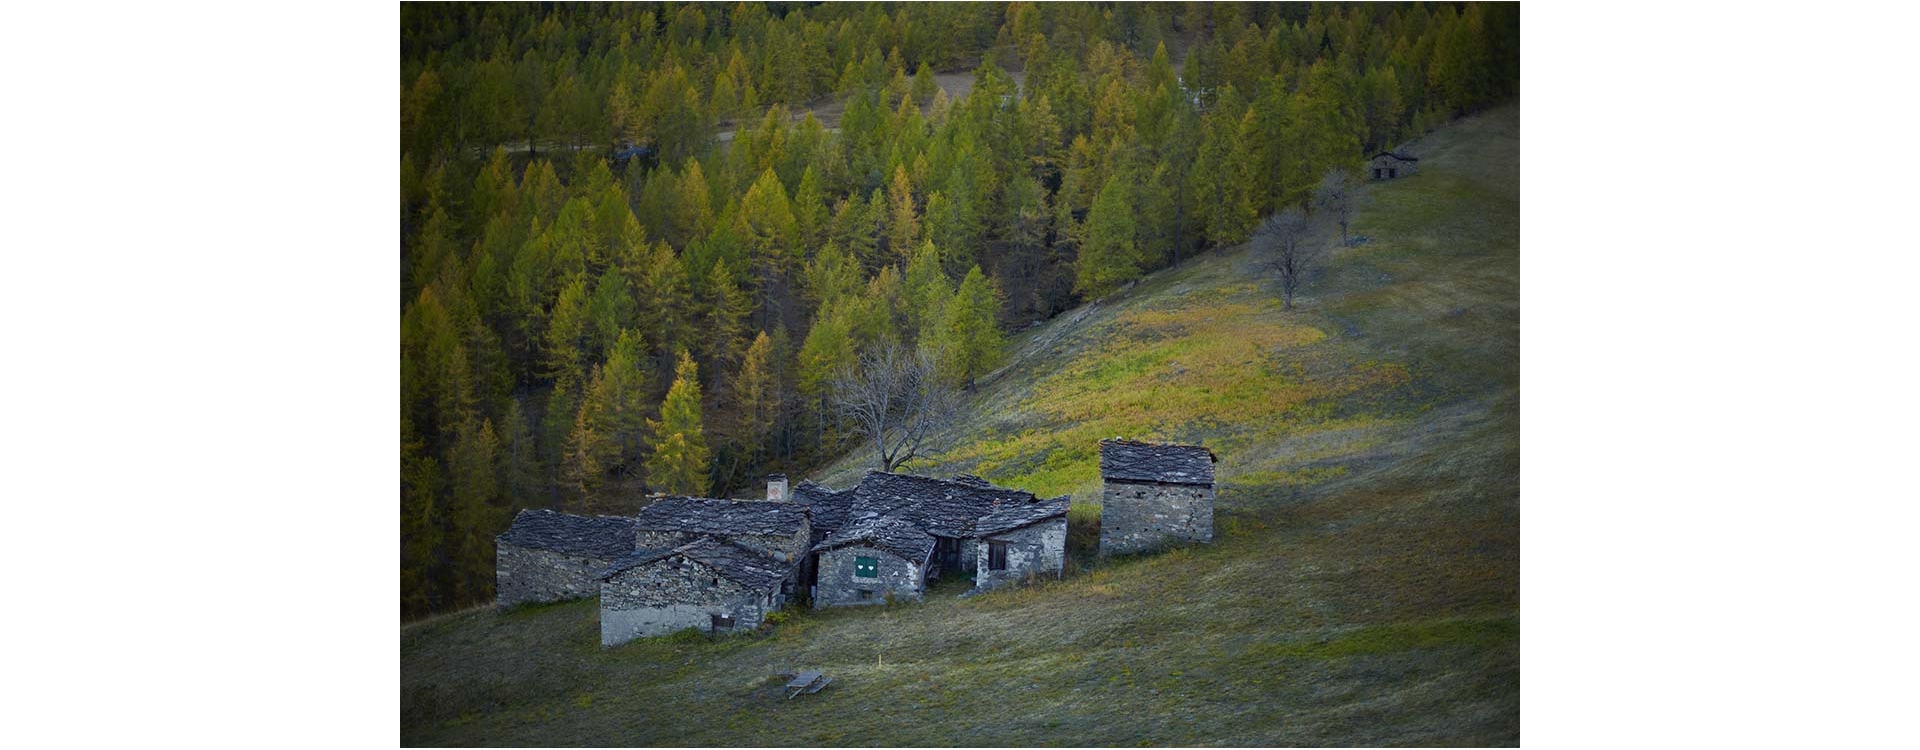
column 1282, row 241
column 1339, row 195
column 898, row 398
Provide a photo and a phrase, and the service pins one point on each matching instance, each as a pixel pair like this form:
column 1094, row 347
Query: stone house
column 892, row 533
column 945, row 509
column 779, row 530
column 1154, row 495
column 1021, row 542
column 709, row 584
column 1388, row 165
column 827, row 511
column 548, row 556
column 871, row 560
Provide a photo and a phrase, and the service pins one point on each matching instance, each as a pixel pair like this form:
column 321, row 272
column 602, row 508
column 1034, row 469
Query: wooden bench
column 805, row 682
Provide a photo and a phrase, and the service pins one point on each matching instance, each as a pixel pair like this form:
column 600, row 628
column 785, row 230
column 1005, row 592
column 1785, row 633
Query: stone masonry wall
column 524, row 575
column 838, row 586
column 1136, row 517
column 1037, row 550
column 674, row 594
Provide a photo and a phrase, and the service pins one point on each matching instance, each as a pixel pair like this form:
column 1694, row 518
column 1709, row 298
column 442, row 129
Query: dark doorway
column 946, row 553
column 1393, row 173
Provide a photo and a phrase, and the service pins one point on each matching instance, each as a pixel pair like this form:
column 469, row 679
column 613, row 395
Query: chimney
column 776, row 486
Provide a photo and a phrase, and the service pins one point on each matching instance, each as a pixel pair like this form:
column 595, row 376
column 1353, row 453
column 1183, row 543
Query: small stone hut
column 707, row 584
column 548, row 556
column 1155, row 494
column 1021, row 542
column 871, row 559
column 1388, row 165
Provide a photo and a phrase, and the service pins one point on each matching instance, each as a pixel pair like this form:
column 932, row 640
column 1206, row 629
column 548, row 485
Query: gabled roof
column 942, row 507
column 594, row 536
column 828, row 505
column 1402, row 157
column 733, row 562
column 701, row 515
column 896, row 535
column 1011, row 517
column 1166, row 463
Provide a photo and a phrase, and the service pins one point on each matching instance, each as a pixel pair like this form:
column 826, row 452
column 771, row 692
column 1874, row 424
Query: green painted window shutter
column 866, row 567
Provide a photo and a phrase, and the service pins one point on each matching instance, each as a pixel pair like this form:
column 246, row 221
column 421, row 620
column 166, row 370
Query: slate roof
column 1134, row 461
column 942, row 507
column 605, row 537
column 733, row 562
column 828, row 505
column 700, row 515
column 1011, row 517
column 896, row 535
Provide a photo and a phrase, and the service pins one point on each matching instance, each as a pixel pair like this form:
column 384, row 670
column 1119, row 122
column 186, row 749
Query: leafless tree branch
column 897, row 398
column 1282, row 241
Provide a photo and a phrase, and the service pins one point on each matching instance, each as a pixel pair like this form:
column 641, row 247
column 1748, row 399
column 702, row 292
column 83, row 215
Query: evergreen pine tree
column 1109, row 257
column 974, row 344
column 903, row 221
column 679, row 460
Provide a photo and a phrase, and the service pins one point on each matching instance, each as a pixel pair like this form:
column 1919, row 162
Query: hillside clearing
column 1364, row 589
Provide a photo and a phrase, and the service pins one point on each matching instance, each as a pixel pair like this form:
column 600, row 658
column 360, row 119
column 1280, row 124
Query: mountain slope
column 1364, row 588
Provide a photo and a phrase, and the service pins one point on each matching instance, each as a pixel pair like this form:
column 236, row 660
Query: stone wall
column 524, row 575
column 674, row 594
column 838, row 586
column 1037, row 550
column 1141, row 516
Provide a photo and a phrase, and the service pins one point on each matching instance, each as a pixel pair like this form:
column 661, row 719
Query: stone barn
column 1155, row 495
column 547, row 556
column 708, row 584
column 870, row 559
column 945, row 509
column 1388, row 165
column 779, row 530
column 827, row 510
column 1021, row 542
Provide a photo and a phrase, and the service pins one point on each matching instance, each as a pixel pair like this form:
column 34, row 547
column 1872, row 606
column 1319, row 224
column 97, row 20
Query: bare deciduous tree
column 1339, row 195
column 1282, row 241
column 897, row 398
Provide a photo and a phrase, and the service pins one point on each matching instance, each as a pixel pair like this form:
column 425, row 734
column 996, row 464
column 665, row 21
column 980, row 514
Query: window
column 866, row 567
column 996, row 555
column 864, row 594
column 722, row 622
column 1376, row 173
column 1392, row 173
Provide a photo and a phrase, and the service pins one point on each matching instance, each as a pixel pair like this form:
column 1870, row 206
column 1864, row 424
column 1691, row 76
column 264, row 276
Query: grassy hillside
column 1364, row 588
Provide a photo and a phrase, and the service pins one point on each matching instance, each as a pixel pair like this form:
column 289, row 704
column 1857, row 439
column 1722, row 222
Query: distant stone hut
column 1021, row 542
column 871, row 560
column 1388, row 165
column 1155, row 495
column 548, row 556
column 707, row 584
